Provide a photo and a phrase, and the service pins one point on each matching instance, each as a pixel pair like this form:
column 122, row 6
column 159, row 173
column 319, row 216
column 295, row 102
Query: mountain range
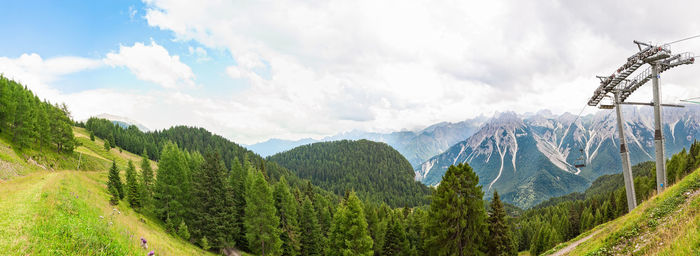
column 529, row 159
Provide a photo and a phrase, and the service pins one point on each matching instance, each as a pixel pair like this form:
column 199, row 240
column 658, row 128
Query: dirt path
column 573, row 245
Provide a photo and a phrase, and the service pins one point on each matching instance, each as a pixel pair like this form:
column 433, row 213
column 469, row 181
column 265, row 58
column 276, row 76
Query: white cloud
column 199, row 52
column 153, row 63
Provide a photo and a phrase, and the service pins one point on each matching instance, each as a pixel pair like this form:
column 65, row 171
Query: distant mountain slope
column 374, row 170
column 530, row 159
column 416, row 146
column 122, row 121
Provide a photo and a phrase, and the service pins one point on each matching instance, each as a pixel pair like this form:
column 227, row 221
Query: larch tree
column 261, row 221
column 349, row 234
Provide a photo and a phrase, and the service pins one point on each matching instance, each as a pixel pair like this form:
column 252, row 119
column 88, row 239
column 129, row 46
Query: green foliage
column 213, row 215
column 456, row 220
column 114, row 196
column 146, row 181
column 374, row 170
column 311, row 243
column 172, row 187
column 182, row 231
column 114, row 182
column 261, row 221
column 31, row 123
column 204, row 243
column 287, row 211
column 107, row 146
column 349, row 234
column 133, row 190
column 500, row 240
column 395, row 242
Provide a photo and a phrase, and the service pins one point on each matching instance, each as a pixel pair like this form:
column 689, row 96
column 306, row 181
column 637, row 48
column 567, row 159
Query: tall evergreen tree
column 133, row 193
column 310, row 230
column 237, row 181
column 287, row 211
column 114, row 181
column 171, row 192
column 213, row 215
column 349, row 234
column 261, row 219
column 456, row 224
column 395, row 242
column 500, row 241
column 147, row 179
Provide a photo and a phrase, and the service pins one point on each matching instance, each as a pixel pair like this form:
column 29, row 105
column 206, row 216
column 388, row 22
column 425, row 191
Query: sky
column 255, row 70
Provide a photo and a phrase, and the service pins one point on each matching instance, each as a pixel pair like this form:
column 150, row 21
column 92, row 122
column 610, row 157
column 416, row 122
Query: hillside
column 374, row 170
column 529, row 159
column 667, row 224
column 58, row 210
column 416, row 146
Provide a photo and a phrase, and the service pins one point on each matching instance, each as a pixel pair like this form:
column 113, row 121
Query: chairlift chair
column 580, row 161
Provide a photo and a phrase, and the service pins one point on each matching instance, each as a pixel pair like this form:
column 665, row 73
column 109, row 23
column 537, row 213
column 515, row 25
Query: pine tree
column 500, row 238
column 107, row 146
column 92, row 136
column 261, row 219
column 133, row 194
column 287, row 211
column 395, row 242
column 349, row 234
column 212, row 212
column 310, row 230
column 171, row 191
column 114, row 181
column 456, row 224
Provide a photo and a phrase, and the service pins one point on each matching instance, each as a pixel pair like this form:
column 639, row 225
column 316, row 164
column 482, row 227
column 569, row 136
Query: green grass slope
column 48, row 208
column 666, row 224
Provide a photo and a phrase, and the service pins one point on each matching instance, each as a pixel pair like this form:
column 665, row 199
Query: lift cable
column 681, row 40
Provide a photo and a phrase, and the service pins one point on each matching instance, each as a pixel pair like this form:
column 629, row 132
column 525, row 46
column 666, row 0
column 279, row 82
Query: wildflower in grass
column 151, row 253
column 144, row 243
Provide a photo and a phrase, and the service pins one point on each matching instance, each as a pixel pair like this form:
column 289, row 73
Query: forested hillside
column 29, row 122
column 374, row 170
column 562, row 218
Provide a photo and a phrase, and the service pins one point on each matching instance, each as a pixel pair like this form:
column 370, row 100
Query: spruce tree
column 212, row 214
column 107, row 146
column 133, row 194
column 261, row 219
column 237, row 181
column 114, row 181
column 310, row 230
column 147, row 179
column 287, row 211
column 395, row 242
column 456, row 224
column 500, row 238
column 349, row 234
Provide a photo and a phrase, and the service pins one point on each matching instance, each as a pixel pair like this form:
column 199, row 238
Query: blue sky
column 254, row 70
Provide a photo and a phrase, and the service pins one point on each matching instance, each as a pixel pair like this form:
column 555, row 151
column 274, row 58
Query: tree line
column 203, row 202
column 29, row 122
